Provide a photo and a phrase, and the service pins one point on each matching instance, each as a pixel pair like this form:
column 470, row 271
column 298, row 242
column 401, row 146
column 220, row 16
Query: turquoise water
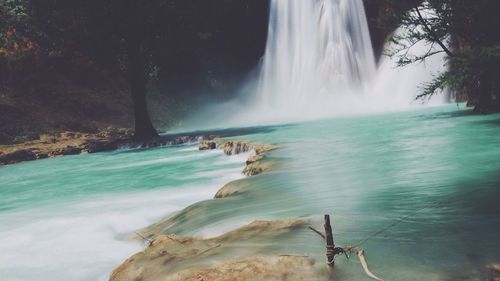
column 438, row 168
column 65, row 218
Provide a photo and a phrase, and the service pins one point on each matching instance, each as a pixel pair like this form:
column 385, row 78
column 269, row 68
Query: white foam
column 82, row 240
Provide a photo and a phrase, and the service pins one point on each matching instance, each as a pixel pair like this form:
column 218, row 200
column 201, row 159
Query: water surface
column 437, row 168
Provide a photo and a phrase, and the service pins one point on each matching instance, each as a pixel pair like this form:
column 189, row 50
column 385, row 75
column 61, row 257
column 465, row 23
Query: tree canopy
column 467, row 32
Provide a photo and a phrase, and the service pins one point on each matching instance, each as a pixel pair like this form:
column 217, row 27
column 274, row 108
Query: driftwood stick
column 330, row 244
column 317, row 232
column 362, row 259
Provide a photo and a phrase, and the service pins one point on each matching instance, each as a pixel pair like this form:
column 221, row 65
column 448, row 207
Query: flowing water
column 438, row 168
column 65, row 218
column 314, row 49
column 432, row 174
column 319, row 63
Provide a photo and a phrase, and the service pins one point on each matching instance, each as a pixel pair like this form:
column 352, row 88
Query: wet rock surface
column 73, row 143
column 234, row 188
column 66, row 143
column 258, row 167
column 255, row 164
column 271, row 268
column 17, row 156
column 207, row 145
column 231, row 256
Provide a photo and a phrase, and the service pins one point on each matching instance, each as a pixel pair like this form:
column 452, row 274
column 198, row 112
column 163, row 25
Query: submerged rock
column 233, row 188
column 270, row 268
column 231, row 256
column 258, row 167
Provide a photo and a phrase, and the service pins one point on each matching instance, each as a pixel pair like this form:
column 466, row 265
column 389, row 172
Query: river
column 425, row 182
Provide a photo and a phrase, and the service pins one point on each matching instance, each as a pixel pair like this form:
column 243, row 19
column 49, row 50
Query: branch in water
column 362, row 259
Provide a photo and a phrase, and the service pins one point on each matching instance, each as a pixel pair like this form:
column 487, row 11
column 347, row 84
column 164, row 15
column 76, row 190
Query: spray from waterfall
column 315, row 49
column 319, row 63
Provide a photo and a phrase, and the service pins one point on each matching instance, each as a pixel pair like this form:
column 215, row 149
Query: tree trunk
column 137, row 78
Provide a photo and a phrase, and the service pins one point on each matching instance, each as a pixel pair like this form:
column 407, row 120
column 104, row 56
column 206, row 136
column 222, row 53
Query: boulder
column 207, row 145
column 234, row 188
column 236, row 147
column 99, row 146
column 68, row 150
column 17, row 156
column 234, row 255
column 258, row 167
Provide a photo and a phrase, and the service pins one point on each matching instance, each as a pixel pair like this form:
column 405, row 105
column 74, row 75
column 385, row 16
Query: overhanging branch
column 432, row 33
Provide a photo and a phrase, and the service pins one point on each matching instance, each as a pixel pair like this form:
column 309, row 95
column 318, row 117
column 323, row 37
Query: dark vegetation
column 170, row 49
column 83, row 65
column 468, row 32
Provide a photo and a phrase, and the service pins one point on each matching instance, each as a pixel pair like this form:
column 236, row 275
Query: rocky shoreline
column 74, row 143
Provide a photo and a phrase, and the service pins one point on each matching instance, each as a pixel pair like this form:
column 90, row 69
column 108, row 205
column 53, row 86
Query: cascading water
column 315, row 49
column 319, row 63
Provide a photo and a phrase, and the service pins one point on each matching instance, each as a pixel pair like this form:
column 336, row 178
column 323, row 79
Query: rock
column 231, row 256
column 17, row 156
column 41, row 155
column 234, row 188
column 67, row 135
column 264, row 148
column 254, row 158
column 69, row 150
column 99, row 146
column 207, row 145
column 65, row 143
column 236, row 147
column 493, row 272
column 260, row 268
column 258, row 167
column 112, row 133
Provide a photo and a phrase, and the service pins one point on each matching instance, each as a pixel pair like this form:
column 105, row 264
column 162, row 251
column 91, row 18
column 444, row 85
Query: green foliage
column 467, row 31
column 17, row 47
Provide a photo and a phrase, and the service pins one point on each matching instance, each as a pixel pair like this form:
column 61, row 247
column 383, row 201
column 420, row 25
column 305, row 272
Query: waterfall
column 319, row 63
column 315, row 49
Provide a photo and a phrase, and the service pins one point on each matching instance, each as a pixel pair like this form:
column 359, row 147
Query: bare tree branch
column 432, row 33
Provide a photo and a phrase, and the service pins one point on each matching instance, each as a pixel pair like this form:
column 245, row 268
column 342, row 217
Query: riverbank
column 95, row 199
column 74, row 143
